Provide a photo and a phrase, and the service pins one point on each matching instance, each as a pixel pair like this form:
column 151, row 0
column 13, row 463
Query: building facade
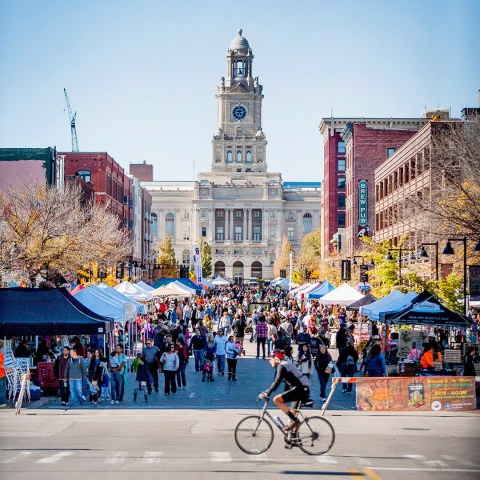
column 240, row 208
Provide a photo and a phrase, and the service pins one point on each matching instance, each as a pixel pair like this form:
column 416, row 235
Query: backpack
column 283, row 339
column 350, row 360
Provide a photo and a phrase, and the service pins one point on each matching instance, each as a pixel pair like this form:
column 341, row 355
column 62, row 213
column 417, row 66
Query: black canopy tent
column 425, row 309
column 34, row 311
column 366, row 300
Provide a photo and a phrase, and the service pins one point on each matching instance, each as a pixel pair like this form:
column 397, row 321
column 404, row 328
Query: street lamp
column 422, row 253
column 388, row 256
column 448, row 250
column 291, row 259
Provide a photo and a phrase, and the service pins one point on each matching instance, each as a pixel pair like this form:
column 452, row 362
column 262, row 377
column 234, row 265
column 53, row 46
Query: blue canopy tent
column 321, row 290
column 93, row 299
column 162, row 282
column 373, row 309
column 36, row 311
column 140, row 308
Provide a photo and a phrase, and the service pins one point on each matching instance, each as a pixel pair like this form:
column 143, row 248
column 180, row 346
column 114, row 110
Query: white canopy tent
column 342, row 295
column 132, row 291
column 139, row 307
column 166, row 292
column 220, row 282
column 181, row 288
column 306, row 290
column 144, row 286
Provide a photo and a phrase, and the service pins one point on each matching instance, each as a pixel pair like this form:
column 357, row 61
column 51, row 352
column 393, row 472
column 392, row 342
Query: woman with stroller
column 209, row 354
column 95, row 375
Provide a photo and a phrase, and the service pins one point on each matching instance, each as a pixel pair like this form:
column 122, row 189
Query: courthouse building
column 240, row 208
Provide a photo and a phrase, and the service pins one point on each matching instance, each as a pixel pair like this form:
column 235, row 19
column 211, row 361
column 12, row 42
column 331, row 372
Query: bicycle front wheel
column 315, row 435
column 253, row 435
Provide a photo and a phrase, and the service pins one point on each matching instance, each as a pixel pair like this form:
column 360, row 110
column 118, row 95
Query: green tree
column 283, row 257
column 206, row 252
column 166, row 258
column 309, row 256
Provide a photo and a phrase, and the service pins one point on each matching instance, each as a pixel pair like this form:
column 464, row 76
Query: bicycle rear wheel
column 315, row 435
column 253, row 435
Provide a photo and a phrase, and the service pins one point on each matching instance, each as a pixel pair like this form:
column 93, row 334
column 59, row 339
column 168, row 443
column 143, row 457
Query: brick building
column 366, row 142
column 142, row 171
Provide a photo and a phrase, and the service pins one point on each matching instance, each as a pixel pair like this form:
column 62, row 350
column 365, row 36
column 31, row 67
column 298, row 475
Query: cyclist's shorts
column 296, row 394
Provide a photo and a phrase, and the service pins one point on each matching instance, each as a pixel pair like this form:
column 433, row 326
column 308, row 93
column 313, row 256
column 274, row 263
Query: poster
column 197, row 264
column 416, row 393
column 407, row 338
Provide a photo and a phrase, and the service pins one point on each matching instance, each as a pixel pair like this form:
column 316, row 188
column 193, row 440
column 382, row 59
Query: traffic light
column 119, row 271
column 283, row 273
column 346, row 270
column 363, row 273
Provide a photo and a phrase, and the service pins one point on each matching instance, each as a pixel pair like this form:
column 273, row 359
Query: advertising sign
column 197, row 264
column 362, row 203
column 416, row 394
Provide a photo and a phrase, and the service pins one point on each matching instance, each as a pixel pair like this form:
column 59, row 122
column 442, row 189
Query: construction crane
column 73, row 127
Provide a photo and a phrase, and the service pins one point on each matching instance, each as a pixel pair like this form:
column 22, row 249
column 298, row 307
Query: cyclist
column 297, row 388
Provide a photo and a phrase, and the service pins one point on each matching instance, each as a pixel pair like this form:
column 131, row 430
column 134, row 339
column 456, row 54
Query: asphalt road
column 186, row 444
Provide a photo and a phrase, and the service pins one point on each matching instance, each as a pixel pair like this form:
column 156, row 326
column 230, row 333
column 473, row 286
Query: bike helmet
column 280, row 354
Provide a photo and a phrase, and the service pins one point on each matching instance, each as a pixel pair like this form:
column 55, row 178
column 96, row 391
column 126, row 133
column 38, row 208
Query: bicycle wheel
column 315, row 435
column 253, row 435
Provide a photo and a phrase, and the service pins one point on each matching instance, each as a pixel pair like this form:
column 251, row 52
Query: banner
column 416, row 394
column 197, row 264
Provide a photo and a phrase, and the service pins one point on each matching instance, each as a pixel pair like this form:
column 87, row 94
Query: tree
column 43, row 227
column 206, row 252
column 166, row 258
column 309, row 255
column 283, row 257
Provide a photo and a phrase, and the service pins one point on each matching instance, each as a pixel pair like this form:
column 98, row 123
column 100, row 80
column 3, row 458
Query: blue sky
column 142, row 74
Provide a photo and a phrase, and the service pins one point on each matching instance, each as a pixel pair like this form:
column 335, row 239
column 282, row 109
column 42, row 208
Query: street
column 45, row 444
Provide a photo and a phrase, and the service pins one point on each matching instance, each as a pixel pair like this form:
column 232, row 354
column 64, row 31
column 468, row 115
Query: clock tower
column 239, row 144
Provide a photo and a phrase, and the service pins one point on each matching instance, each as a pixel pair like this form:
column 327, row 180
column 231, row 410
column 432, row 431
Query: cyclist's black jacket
column 291, row 375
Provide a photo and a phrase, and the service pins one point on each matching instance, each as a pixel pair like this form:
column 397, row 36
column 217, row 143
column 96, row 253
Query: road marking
column 420, row 458
column 405, row 469
column 465, row 463
column 371, row 474
column 326, row 459
column 258, row 458
column 118, row 457
column 220, row 456
column 363, row 461
column 355, row 474
column 20, row 456
column 435, row 463
column 54, row 458
column 152, row 457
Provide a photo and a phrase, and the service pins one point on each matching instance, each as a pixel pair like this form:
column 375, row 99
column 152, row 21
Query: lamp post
column 388, row 256
column 422, row 253
column 448, row 250
column 291, row 260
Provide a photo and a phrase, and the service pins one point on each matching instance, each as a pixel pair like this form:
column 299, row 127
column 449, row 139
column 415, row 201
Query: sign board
column 474, row 276
column 197, row 264
column 407, row 339
column 128, row 312
column 435, row 393
column 362, row 203
column 452, row 356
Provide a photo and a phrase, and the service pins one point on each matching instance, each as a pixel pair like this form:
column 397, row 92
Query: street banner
column 197, row 264
column 416, row 393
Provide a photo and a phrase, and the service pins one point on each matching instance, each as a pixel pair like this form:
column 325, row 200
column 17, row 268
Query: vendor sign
column 435, row 393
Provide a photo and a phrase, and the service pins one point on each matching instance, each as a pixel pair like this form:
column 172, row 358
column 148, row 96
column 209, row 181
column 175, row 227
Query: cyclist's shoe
column 292, row 426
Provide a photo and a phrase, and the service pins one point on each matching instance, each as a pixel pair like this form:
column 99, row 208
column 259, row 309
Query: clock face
column 239, row 112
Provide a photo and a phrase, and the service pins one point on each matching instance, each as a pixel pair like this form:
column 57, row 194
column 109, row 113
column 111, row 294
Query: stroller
column 207, row 372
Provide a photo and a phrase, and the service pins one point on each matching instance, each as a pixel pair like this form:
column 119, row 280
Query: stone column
column 232, row 216
column 264, row 229
column 245, row 224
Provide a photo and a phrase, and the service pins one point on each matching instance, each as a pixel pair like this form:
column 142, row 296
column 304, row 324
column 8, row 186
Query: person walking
column 232, row 350
column 220, row 341
column 197, row 345
column 170, row 362
column 322, row 364
column 375, row 364
column 75, row 372
column 151, row 354
column 59, row 373
column 347, row 364
column 182, row 353
column 3, row 378
column 262, row 335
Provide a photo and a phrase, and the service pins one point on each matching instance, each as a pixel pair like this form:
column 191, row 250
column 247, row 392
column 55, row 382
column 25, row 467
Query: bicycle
column 254, row 434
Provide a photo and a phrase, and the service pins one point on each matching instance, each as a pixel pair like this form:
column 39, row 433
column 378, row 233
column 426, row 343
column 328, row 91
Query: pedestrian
column 220, row 341
column 22, row 350
column 347, row 364
column 3, row 378
column 75, row 372
column 59, row 373
column 341, row 337
column 95, row 375
column 182, row 353
column 238, row 328
column 375, row 364
column 196, row 346
column 232, row 349
column 210, row 350
column 323, row 365
column 151, row 353
column 262, row 335
column 468, row 365
column 304, row 360
column 170, row 362
column 115, row 384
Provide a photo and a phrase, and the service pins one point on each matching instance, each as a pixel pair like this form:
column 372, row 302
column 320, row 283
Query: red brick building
column 142, row 171
column 350, row 155
column 112, row 186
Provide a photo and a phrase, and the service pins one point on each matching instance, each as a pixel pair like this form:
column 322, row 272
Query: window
column 256, row 214
column 257, row 234
column 341, row 148
column 186, row 215
column 291, row 234
column 239, row 157
column 390, row 152
column 341, row 164
column 229, row 156
column 341, row 201
column 203, row 213
column 307, row 223
column 341, row 183
column 249, row 156
column 186, row 258
column 238, row 234
column 238, row 214
column 219, row 234
column 273, row 232
column 220, row 213
column 186, row 233
column 219, row 251
column 237, row 252
column 153, row 228
column 170, row 224
column 341, row 220
column 86, row 175
column 273, row 214
column 204, row 231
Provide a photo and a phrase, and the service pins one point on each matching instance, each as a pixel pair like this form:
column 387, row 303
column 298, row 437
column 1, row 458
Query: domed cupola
column 239, row 42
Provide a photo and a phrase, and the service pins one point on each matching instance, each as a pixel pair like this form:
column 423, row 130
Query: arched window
column 239, row 156
column 219, row 269
column 238, row 272
column 249, row 156
column 307, row 223
column 204, row 231
column 153, row 229
column 170, row 224
column 257, row 270
column 186, row 258
column 229, row 156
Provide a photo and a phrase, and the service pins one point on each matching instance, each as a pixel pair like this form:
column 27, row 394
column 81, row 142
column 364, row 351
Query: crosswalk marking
column 326, row 459
column 54, row 458
column 465, row 463
column 220, row 456
column 18, row 457
column 118, row 457
column 152, row 457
